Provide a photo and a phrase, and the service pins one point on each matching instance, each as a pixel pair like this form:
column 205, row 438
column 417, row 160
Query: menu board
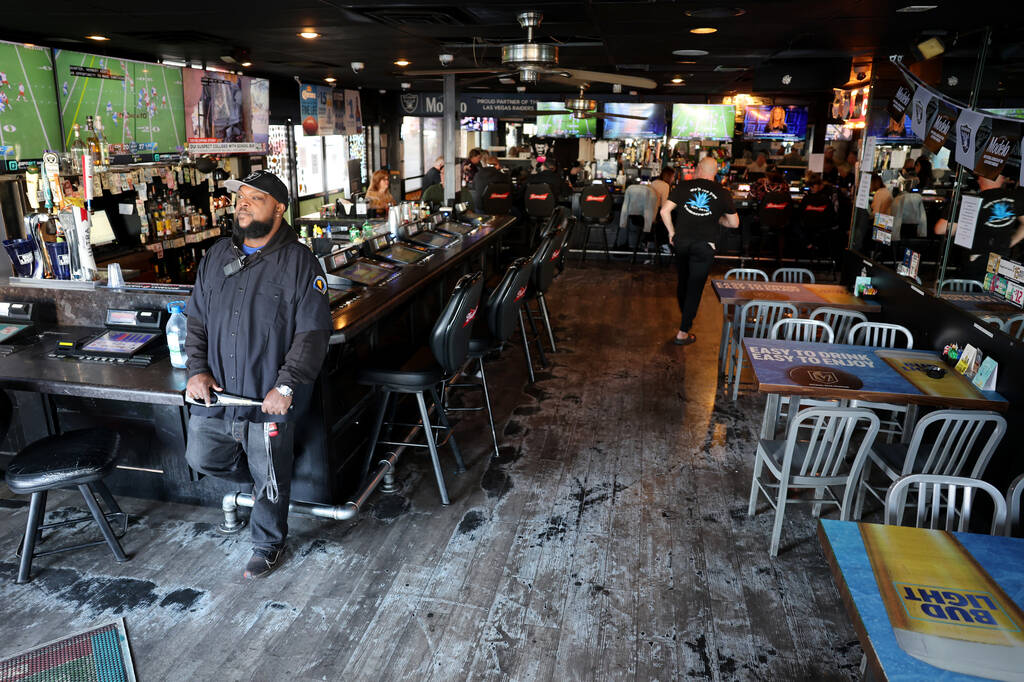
column 226, row 113
column 29, row 123
column 139, row 104
column 703, row 121
column 563, row 125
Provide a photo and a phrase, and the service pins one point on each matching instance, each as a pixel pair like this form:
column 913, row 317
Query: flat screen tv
column 226, row 113
column 29, row 118
column 1008, row 113
column 653, row 125
column 479, row 124
column 703, row 121
column 890, row 131
column 563, row 125
column 837, row 131
column 775, row 122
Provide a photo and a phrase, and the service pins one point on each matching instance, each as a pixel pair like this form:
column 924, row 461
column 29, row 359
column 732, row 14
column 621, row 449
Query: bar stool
column 545, row 259
column 775, row 213
column 433, row 364
column 81, row 458
column 540, row 203
column 502, row 313
column 596, row 209
column 496, row 199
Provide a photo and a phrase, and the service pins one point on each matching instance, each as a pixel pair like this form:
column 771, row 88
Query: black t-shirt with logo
column 998, row 219
column 699, row 205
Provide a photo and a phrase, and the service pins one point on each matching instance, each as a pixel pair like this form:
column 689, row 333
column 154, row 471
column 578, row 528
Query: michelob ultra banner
column 944, row 608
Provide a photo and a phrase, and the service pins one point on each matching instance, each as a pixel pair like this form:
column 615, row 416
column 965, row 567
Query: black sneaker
column 263, row 562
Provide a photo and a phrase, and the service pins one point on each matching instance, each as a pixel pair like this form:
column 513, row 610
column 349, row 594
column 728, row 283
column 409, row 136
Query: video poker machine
column 348, row 269
column 388, row 248
column 129, row 337
column 423, row 234
column 17, row 327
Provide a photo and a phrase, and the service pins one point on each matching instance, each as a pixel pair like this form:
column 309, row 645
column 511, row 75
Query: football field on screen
column 150, row 94
column 28, row 103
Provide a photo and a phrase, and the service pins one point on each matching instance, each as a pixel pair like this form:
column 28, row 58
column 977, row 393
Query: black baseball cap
column 264, row 181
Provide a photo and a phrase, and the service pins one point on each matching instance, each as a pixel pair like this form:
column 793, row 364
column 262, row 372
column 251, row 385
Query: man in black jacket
column 258, row 327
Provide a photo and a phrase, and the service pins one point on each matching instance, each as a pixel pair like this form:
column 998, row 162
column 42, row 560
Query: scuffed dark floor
column 609, row 541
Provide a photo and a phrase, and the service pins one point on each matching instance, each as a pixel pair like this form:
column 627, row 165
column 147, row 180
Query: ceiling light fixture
column 716, row 12
column 916, row 8
column 330, row 79
column 706, row 30
column 677, row 80
column 445, row 59
column 97, row 38
column 246, row 63
column 686, row 61
column 690, row 53
column 173, row 62
column 406, row 86
column 402, row 62
column 357, row 66
column 308, row 34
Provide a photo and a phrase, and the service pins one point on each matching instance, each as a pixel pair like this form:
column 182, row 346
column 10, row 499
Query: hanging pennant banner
column 940, row 128
column 1005, row 138
column 919, row 111
column 900, row 102
column 967, row 126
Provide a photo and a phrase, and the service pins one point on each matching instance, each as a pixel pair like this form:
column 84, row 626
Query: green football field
column 28, row 123
column 702, row 121
column 151, row 94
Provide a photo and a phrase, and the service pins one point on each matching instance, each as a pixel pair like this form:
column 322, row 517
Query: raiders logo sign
column 410, row 102
column 965, row 137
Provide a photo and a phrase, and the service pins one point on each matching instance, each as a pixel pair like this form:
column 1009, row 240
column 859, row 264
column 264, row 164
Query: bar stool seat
column 82, row 459
column 418, row 373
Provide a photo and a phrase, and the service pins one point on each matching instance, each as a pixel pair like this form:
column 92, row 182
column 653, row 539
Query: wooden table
column 738, row 292
column 880, row 572
column 839, row 371
column 981, row 303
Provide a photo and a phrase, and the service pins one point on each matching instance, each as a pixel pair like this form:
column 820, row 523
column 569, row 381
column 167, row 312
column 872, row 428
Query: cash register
column 421, row 234
column 129, row 337
column 17, row 330
column 387, row 247
column 348, row 267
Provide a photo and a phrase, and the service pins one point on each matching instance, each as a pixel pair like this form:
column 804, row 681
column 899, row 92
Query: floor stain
column 471, row 520
column 387, row 508
column 496, row 482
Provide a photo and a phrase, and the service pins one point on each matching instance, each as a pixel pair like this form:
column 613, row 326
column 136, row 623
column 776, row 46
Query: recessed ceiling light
column 98, row 38
column 402, row 62
column 246, row 63
column 704, row 30
column 308, row 34
column 686, row 61
column 677, row 80
column 330, row 79
column 916, row 8
column 690, row 53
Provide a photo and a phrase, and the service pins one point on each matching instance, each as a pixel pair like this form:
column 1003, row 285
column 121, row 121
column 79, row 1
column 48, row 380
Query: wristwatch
column 286, row 391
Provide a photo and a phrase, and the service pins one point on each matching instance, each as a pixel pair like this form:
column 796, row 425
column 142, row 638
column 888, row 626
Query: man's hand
column 275, row 403
column 199, row 386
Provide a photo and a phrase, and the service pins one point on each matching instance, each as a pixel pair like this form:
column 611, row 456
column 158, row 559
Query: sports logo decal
column 596, row 197
column 777, row 207
column 555, row 254
column 538, row 197
column 965, row 137
column 410, row 102
column 520, row 293
column 320, row 284
column 499, row 196
column 469, row 317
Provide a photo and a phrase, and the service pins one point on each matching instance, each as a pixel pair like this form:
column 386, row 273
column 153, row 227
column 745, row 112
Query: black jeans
column 217, row 447
column 693, row 262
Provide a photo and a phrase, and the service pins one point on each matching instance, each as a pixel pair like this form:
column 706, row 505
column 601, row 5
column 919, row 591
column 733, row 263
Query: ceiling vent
column 410, row 16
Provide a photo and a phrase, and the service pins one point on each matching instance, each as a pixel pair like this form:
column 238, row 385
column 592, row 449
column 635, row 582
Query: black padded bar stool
column 81, row 458
column 545, row 259
column 445, row 353
column 501, row 312
column 596, row 206
column 540, row 203
column 496, row 199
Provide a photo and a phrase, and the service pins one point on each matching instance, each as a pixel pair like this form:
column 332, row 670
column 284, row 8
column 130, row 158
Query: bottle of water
column 176, row 330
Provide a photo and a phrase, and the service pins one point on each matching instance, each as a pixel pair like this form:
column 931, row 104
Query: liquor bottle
column 91, row 140
column 104, row 157
column 77, row 148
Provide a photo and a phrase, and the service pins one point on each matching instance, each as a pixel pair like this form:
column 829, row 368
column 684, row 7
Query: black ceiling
column 631, row 37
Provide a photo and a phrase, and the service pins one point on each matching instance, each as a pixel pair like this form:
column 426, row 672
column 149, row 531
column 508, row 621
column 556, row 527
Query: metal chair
column 596, row 206
column 1014, row 326
column 937, row 505
column 798, row 329
column 960, row 285
column 814, row 454
column 793, row 275
column 728, row 311
column 992, row 321
column 755, row 319
column 1013, row 498
column 881, row 334
column 839, row 319
column 943, row 443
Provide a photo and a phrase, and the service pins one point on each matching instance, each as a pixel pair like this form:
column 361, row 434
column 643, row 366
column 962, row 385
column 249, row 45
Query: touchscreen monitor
column 369, row 274
column 9, row 330
column 122, row 343
column 432, row 239
column 403, row 253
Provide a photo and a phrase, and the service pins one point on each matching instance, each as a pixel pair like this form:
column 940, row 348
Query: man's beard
column 256, row 230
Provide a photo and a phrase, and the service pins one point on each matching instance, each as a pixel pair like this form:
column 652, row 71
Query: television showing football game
column 484, row 124
column 563, row 125
column 1008, row 113
column 140, row 104
column 29, row 123
column 703, row 121
column 653, row 125
column 768, row 122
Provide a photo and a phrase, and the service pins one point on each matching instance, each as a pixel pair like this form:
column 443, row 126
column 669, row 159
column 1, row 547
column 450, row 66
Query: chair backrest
column 449, row 339
column 826, row 433
column 960, row 285
column 544, row 260
column 945, row 441
column 1014, row 326
column 797, row 275
column 881, row 334
column 746, row 274
column 6, row 414
column 539, row 199
column 818, row 213
column 1013, row 498
column 776, row 209
column 941, row 501
column 558, row 220
column 504, row 302
column 795, row 329
column 596, row 202
column 496, row 198
column 758, row 317
column 839, row 319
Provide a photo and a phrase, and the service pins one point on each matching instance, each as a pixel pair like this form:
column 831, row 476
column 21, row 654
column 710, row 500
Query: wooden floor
column 609, row 541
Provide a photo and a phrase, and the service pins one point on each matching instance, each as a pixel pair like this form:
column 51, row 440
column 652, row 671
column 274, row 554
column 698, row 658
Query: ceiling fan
column 579, row 107
column 539, row 61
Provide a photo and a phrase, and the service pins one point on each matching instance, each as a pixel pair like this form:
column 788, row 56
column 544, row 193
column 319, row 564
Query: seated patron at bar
column 549, row 174
column 663, row 185
column 470, row 167
column 258, row 327
column 433, row 175
column 379, row 195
